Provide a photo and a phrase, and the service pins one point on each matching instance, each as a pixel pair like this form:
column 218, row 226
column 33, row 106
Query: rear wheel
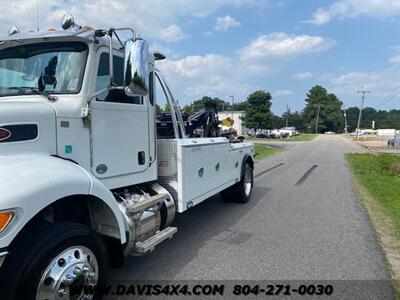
column 59, row 261
column 241, row 191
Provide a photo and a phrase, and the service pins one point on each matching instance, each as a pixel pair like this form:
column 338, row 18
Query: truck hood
column 31, row 127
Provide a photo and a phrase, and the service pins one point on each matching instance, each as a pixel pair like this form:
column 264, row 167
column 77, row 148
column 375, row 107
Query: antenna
column 37, row 15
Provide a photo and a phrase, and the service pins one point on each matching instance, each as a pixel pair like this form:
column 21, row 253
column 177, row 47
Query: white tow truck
column 87, row 175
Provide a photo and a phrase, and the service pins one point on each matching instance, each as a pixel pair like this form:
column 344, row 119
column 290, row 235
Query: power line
column 389, row 99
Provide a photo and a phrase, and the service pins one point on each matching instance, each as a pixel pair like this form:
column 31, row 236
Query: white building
column 386, row 132
column 237, row 118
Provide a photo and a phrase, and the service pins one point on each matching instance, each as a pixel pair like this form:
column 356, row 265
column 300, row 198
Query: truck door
column 120, row 134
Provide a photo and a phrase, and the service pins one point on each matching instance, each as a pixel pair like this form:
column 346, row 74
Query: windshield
column 42, row 68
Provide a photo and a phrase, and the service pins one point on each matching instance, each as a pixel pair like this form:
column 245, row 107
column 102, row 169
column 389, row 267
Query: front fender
column 29, row 183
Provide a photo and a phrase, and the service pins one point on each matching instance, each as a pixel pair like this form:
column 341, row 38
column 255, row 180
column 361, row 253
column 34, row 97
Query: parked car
column 275, row 134
column 291, row 131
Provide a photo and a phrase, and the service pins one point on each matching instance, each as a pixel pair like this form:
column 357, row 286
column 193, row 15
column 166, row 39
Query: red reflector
column 4, row 134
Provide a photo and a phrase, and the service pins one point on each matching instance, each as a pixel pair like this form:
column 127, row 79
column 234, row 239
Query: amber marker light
column 5, row 218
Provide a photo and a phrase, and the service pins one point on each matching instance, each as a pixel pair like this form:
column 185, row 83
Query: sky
column 227, row 48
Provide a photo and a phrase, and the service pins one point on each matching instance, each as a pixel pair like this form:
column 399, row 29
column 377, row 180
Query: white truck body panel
column 39, row 113
column 197, row 168
column 30, row 182
column 119, row 132
column 63, row 160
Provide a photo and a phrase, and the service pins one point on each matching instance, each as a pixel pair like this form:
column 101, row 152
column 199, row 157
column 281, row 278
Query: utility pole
column 287, row 115
column 233, row 98
column 345, row 120
column 361, row 108
column 316, row 121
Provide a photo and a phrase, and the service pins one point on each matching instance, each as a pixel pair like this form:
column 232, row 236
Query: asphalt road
column 304, row 222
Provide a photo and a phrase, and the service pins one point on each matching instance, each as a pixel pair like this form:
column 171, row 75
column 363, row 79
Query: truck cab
column 85, row 178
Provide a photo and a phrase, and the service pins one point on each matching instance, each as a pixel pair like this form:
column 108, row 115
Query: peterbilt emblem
column 4, row 134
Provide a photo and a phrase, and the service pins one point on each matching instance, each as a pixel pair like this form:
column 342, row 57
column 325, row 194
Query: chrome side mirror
column 136, row 65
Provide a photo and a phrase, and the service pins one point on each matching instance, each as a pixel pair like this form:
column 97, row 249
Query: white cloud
column 173, row 33
column 382, row 84
column 283, row 93
column 342, row 9
column 224, row 23
column 395, row 59
column 218, row 75
column 304, row 76
column 158, row 20
column 211, row 74
column 279, row 44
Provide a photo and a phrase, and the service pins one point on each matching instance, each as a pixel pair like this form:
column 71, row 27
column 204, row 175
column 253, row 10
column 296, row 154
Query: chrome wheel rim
column 248, row 182
column 74, row 268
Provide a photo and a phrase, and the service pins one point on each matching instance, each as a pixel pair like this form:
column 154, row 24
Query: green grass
column 263, row 151
column 298, row 138
column 380, row 176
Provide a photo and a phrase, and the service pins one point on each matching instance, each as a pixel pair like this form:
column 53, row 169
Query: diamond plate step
column 149, row 244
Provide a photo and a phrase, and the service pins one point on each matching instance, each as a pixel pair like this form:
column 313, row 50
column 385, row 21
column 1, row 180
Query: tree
column 382, row 118
column 330, row 117
column 239, row 106
column 188, row 109
column 390, row 120
column 166, row 108
column 277, row 121
column 296, row 120
column 352, row 117
column 258, row 110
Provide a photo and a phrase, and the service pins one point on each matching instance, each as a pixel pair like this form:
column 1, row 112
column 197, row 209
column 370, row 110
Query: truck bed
column 194, row 169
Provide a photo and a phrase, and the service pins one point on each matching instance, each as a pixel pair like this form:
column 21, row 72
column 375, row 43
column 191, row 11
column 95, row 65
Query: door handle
column 141, row 157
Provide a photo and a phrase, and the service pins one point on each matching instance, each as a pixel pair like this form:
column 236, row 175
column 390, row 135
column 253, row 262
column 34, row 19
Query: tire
column 241, row 191
column 73, row 249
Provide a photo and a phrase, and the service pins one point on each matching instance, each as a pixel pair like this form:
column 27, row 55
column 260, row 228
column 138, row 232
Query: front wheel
column 241, row 191
column 58, row 261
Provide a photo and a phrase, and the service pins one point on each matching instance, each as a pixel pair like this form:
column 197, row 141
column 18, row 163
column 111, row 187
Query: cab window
column 103, row 78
